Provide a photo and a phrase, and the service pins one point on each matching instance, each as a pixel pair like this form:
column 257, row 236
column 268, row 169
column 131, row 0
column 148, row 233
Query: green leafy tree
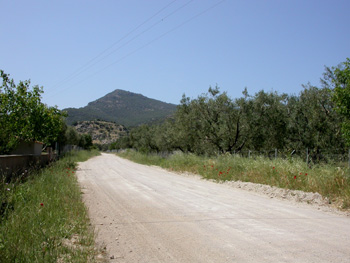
column 164, row 136
column 72, row 137
column 85, row 141
column 186, row 126
column 210, row 124
column 313, row 122
column 142, row 138
column 214, row 124
column 266, row 116
column 121, row 143
column 23, row 117
column 341, row 95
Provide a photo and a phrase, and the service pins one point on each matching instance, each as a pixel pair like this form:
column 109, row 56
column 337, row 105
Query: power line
column 82, row 68
column 161, row 36
column 149, row 43
column 86, row 67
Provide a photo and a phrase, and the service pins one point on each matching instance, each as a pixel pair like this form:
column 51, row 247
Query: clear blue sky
column 262, row 45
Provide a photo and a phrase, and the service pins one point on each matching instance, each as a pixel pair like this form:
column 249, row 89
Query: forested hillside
column 213, row 123
column 122, row 107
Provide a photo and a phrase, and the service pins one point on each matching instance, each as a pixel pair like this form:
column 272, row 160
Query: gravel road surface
column 147, row 214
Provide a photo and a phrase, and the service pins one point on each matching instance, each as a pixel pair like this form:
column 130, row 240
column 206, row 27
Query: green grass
column 43, row 218
column 328, row 180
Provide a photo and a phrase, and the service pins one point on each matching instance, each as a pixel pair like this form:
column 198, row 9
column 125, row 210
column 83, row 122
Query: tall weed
column 43, row 218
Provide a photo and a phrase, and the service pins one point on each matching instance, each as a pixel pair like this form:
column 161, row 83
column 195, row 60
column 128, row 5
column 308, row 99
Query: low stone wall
column 12, row 165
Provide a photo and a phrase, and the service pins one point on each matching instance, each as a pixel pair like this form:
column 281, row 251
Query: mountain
column 102, row 132
column 122, row 107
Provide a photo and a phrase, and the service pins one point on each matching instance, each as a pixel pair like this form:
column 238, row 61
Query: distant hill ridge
column 123, row 107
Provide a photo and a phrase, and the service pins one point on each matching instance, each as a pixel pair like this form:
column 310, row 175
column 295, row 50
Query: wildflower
column 8, row 189
column 295, row 177
column 273, row 167
column 300, row 173
column 305, row 173
column 41, row 204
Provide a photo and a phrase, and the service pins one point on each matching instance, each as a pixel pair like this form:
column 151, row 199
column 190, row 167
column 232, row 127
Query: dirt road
column 146, row 214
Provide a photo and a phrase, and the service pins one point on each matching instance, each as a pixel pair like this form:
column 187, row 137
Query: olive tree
column 341, row 95
column 209, row 124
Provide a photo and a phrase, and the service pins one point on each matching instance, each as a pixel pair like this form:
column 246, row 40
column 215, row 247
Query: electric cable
column 86, row 67
column 111, row 46
column 147, row 44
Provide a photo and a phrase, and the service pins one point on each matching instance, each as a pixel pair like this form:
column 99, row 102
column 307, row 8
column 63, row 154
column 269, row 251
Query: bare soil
column 147, row 214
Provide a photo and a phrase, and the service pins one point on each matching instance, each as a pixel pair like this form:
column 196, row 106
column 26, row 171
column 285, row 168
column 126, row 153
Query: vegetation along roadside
column 211, row 133
column 43, row 218
column 330, row 181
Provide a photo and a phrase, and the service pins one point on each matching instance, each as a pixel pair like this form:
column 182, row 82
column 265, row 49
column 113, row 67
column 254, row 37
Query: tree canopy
column 23, row 117
column 341, row 80
column 213, row 123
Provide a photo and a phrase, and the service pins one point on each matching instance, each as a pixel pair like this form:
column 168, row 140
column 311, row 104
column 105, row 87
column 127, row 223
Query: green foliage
column 85, row 141
column 73, row 157
column 42, row 215
column 341, row 95
column 266, row 118
column 24, row 117
column 214, row 124
column 209, row 124
column 313, row 121
column 72, row 137
column 121, row 143
column 142, row 138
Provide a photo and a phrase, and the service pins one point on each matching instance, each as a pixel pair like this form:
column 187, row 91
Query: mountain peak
column 123, row 107
column 117, row 95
